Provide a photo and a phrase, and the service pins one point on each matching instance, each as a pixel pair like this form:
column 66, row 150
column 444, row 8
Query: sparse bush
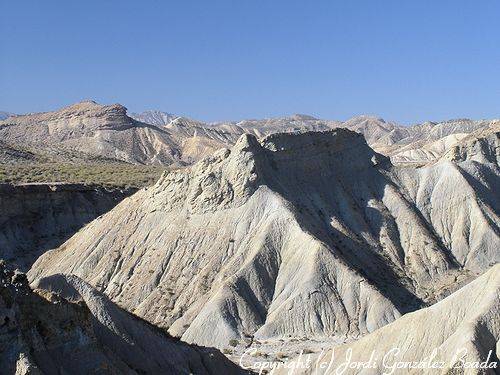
column 233, row 342
column 281, row 355
column 108, row 174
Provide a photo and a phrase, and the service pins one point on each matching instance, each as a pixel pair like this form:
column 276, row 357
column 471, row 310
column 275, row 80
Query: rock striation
column 88, row 131
column 298, row 235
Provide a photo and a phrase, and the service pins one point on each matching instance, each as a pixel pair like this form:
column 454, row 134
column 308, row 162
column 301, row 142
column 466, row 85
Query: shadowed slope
column 79, row 331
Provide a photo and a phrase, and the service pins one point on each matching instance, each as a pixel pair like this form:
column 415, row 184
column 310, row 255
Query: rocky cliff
column 39, row 217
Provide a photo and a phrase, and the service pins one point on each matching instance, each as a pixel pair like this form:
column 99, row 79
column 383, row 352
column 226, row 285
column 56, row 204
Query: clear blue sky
column 407, row 61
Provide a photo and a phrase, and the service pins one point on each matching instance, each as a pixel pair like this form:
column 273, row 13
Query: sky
column 405, row 61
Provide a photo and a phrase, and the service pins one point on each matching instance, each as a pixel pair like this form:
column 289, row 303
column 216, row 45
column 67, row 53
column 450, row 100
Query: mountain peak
column 302, row 117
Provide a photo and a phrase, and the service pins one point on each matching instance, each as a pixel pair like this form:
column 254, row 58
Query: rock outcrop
column 71, row 328
column 458, row 335
column 89, row 131
column 38, row 217
column 299, row 235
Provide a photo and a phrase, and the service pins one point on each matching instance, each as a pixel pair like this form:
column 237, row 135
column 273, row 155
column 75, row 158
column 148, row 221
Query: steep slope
column 79, row 331
column 423, row 151
column 457, row 198
column 462, row 328
column 429, row 141
column 38, row 217
column 301, row 235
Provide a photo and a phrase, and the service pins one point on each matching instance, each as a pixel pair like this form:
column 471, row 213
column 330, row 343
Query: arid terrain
column 155, row 243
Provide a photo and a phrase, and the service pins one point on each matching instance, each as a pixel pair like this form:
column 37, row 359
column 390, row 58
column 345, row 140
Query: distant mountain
column 4, row 115
column 290, row 124
column 157, row 118
column 420, row 143
column 89, row 131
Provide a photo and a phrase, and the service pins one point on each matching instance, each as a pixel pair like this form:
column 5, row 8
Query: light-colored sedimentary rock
column 458, row 335
column 89, row 131
column 300, row 235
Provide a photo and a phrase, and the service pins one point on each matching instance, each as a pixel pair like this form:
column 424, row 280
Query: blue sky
column 407, row 61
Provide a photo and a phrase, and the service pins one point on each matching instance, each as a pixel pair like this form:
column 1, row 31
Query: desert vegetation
column 120, row 175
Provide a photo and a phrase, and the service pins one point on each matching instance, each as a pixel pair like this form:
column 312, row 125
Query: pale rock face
column 301, row 235
column 422, row 152
column 464, row 327
column 427, row 142
column 65, row 326
column 157, row 118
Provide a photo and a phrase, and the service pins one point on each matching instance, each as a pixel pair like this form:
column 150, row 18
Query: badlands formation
column 296, row 236
column 88, row 131
column 280, row 234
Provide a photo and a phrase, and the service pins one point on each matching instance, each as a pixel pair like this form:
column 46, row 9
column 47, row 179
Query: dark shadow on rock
column 314, row 185
column 38, row 217
column 72, row 337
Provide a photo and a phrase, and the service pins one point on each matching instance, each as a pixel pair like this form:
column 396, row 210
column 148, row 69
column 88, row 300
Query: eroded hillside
column 299, row 235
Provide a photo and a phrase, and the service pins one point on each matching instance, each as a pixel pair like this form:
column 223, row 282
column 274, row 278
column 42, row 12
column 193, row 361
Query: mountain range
column 88, row 131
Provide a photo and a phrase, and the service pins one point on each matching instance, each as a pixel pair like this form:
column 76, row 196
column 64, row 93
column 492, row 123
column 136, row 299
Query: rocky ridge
column 298, row 235
column 68, row 327
column 89, row 131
